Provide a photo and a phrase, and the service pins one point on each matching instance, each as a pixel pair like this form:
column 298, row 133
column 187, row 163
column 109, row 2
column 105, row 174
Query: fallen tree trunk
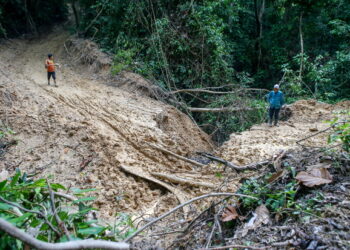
column 216, row 110
column 179, row 180
column 231, row 165
column 181, row 196
column 206, row 90
column 176, row 155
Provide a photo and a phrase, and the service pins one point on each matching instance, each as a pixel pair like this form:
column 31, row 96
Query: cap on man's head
column 276, row 86
column 49, row 55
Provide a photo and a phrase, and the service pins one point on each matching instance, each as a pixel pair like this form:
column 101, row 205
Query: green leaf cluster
column 37, row 218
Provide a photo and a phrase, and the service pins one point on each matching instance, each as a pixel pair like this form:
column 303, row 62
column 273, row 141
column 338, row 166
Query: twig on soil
column 61, row 225
column 278, row 161
column 210, row 236
column 176, row 155
column 31, row 211
column 310, row 136
column 86, row 162
column 180, row 206
column 72, row 245
column 235, row 246
column 200, row 215
column 283, row 243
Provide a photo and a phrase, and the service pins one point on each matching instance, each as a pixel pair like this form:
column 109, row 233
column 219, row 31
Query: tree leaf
column 91, row 230
column 315, row 177
column 84, row 199
column 275, row 176
column 229, row 214
column 2, row 185
column 15, row 179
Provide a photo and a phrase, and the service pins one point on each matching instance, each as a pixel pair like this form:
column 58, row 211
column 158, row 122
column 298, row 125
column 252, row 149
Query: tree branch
column 176, row 155
column 31, row 211
column 72, row 245
column 224, row 109
column 206, row 90
column 180, row 206
column 61, row 225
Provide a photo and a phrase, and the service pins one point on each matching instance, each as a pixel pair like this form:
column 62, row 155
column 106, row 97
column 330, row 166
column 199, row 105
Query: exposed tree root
column 181, row 196
column 179, row 180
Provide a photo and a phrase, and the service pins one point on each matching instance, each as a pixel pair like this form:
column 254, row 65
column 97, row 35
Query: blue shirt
column 276, row 100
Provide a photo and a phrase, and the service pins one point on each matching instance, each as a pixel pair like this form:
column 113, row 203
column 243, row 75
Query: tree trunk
column 75, row 12
column 301, row 46
column 31, row 27
column 259, row 12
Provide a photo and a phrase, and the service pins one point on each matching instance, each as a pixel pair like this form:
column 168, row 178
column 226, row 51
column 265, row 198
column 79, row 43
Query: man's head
column 50, row 56
column 276, row 88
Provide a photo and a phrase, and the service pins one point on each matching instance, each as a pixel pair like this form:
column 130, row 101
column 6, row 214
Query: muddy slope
column 83, row 131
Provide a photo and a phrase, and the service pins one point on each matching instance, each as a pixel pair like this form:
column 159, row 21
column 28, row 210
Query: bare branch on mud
column 180, row 206
column 206, row 90
column 175, row 179
column 320, row 132
column 78, row 244
column 231, row 165
column 31, row 211
column 176, row 155
column 224, row 109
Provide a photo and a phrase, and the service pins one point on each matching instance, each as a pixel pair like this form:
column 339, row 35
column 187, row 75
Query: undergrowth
column 26, row 203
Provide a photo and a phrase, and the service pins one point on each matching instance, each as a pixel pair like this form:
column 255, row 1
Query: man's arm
column 268, row 97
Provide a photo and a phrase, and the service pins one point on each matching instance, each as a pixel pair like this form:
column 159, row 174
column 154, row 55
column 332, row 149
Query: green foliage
column 34, row 196
column 18, row 17
column 341, row 130
column 275, row 200
column 227, row 123
column 197, row 44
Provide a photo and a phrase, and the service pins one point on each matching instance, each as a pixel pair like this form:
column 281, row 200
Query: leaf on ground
column 229, row 214
column 261, row 216
column 317, row 176
column 275, row 176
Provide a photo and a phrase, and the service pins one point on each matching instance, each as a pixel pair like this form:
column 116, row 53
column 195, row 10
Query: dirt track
column 84, row 132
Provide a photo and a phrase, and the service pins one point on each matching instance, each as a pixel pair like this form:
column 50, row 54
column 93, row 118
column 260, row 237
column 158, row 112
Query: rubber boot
column 270, row 123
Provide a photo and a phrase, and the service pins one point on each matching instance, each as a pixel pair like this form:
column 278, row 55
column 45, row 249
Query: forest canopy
column 186, row 44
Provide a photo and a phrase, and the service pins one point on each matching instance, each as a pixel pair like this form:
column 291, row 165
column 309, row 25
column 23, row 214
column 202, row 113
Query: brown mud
column 88, row 133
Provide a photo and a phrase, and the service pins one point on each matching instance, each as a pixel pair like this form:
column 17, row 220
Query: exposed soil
column 262, row 142
column 94, row 131
column 83, row 131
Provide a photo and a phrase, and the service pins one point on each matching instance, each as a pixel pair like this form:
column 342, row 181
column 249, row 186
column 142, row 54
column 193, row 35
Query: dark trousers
column 274, row 113
column 49, row 74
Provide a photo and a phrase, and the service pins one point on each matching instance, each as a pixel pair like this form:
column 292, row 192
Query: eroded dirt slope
column 89, row 134
column 83, row 131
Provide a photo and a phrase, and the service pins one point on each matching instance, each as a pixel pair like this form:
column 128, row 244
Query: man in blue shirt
column 276, row 101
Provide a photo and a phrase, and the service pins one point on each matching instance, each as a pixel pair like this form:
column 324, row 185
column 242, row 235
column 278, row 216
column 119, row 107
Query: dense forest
column 220, row 45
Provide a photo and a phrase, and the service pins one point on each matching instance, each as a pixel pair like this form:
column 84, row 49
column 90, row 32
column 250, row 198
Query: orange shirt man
column 50, row 66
